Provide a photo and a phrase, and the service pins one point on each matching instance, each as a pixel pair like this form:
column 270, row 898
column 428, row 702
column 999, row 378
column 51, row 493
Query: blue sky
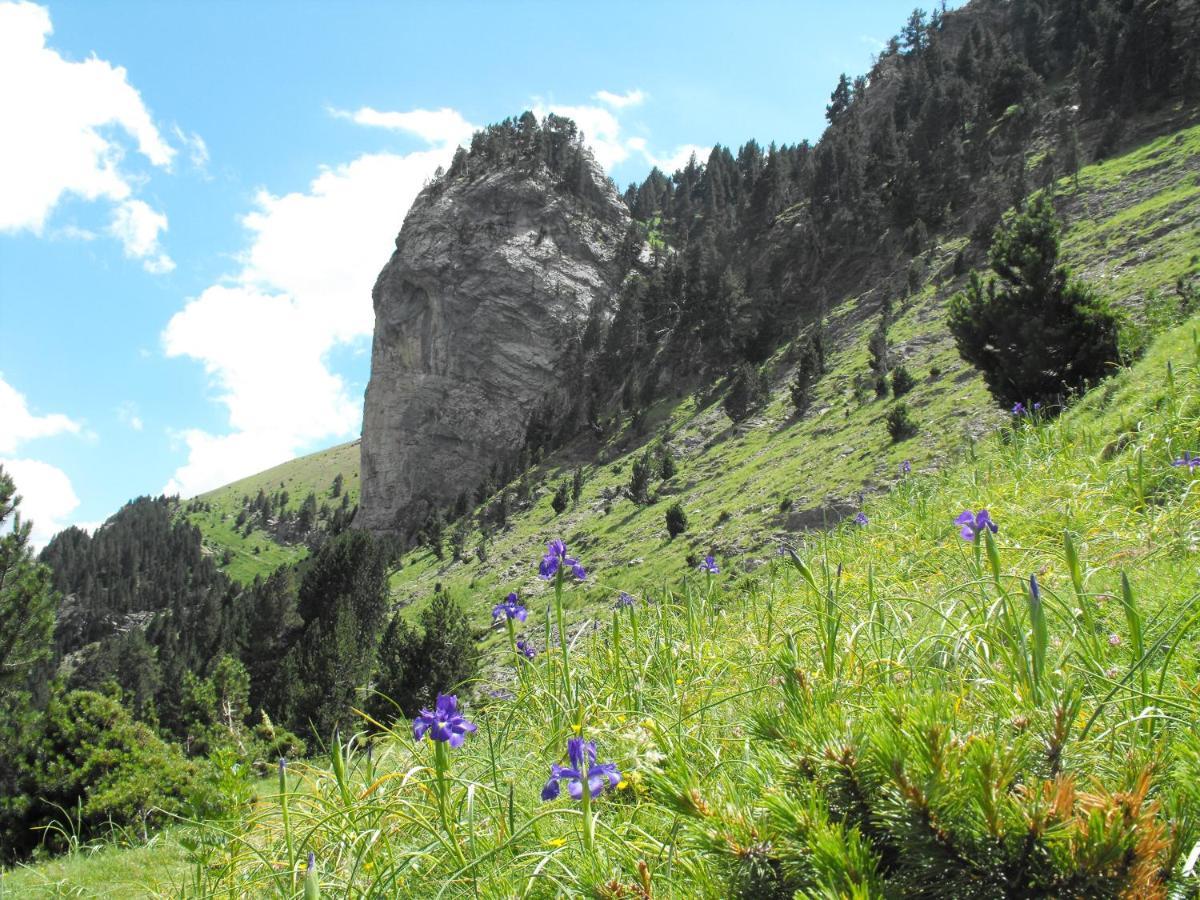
column 195, row 198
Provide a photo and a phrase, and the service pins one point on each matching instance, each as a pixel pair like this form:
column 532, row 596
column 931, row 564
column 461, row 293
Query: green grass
column 258, row 553
column 896, row 654
column 106, row 870
column 729, row 711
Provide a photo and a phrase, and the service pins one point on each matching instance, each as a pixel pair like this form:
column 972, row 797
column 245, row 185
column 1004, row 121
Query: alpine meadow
column 814, row 519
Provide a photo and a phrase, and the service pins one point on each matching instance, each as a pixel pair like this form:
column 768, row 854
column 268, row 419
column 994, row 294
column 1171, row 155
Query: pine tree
column 1033, row 330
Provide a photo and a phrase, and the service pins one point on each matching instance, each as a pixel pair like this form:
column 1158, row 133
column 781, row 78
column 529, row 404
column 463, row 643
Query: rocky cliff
column 497, row 267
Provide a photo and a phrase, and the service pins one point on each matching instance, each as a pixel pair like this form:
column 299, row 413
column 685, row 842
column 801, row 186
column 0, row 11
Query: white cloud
column 18, row 424
column 47, row 497
column 601, row 130
column 676, row 159
column 620, row 101
column 304, row 289
column 57, row 117
column 137, row 226
column 195, row 146
column 435, row 126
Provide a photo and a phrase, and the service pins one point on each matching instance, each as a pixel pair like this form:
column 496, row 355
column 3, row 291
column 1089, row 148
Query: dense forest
column 131, row 641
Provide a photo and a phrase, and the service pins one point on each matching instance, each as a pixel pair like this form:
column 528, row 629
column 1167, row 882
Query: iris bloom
column 1018, row 408
column 709, row 566
column 511, row 608
column 625, row 600
column 1187, row 460
column 861, row 518
column 582, row 757
column 973, row 524
column 905, row 468
column 526, row 650
column 556, row 558
column 444, row 722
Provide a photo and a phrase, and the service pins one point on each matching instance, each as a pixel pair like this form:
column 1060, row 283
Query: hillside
column 257, row 551
column 1131, row 227
column 898, row 663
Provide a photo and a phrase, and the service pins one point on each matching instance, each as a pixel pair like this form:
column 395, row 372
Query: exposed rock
column 494, row 275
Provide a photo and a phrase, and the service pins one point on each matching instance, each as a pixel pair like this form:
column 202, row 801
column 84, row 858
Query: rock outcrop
column 495, row 271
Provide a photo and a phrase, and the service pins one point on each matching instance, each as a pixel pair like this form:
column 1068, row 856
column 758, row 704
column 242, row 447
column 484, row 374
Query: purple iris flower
column 1018, row 408
column 556, row 558
column 905, row 468
column 861, row 518
column 444, row 722
column 582, row 756
column 526, row 650
column 511, row 608
column 1187, row 460
column 625, row 600
column 709, row 566
column 973, row 524
column 1037, row 405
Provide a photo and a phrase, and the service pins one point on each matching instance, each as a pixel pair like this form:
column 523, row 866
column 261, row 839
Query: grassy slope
column 257, row 553
column 1132, row 229
column 683, row 701
column 691, row 691
column 1132, row 226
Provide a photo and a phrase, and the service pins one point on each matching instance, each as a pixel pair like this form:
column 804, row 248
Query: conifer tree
column 1034, row 330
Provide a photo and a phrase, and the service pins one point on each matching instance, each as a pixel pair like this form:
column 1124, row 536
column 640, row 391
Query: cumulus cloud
column 670, row 162
column 46, row 492
column 602, row 129
column 620, row 101
column 47, row 497
column 18, row 424
column 263, row 335
column 68, row 129
column 434, row 126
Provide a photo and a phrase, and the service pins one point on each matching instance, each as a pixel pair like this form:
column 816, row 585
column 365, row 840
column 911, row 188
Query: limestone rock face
column 492, row 276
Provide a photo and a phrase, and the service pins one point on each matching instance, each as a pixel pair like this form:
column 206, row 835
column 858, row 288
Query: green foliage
column 577, row 480
column 415, row 666
column 902, row 381
column 343, row 599
column 749, row 391
column 1034, row 331
column 639, row 479
column 562, row 498
column 677, row 520
column 92, row 762
column 900, row 423
column 809, row 369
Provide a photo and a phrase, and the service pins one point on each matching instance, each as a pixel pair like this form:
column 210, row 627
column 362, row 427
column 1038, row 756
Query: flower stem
column 441, row 765
column 562, row 636
column 287, row 824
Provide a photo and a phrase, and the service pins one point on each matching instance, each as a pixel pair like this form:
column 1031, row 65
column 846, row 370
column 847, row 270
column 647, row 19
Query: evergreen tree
column 639, row 479
column 748, row 393
column 676, row 520
column 1033, row 330
column 562, row 498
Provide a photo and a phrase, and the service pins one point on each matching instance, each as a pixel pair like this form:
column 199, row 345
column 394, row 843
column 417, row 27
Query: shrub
column 639, row 479
column 902, row 381
column 92, row 761
column 677, row 520
column 562, row 499
column 1033, row 330
column 748, row 393
column 900, row 423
